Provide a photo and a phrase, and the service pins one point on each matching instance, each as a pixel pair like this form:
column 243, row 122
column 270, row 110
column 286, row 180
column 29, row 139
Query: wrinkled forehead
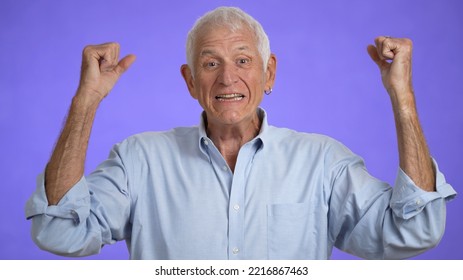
column 224, row 36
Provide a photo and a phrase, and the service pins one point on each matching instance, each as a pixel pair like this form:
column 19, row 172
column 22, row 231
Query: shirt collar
column 262, row 136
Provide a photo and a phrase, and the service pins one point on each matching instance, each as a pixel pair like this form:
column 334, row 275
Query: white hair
column 234, row 19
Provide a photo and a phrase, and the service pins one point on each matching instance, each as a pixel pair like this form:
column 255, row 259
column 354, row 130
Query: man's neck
column 230, row 138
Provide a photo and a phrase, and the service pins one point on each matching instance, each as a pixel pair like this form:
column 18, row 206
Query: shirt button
column 205, row 142
column 235, row 251
column 236, row 207
column 225, row 168
column 418, row 201
column 75, row 217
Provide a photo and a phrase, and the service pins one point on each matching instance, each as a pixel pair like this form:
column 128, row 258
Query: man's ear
column 270, row 72
column 189, row 80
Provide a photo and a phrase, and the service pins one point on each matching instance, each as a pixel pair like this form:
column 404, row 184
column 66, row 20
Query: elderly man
column 235, row 187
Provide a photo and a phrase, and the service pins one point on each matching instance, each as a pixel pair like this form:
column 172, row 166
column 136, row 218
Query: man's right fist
column 101, row 68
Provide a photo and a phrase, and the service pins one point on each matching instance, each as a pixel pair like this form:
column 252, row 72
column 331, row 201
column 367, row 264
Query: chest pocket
column 289, row 231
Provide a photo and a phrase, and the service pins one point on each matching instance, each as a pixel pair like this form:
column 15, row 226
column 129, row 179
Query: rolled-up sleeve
column 409, row 200
column 94, row 212
column 74, row 205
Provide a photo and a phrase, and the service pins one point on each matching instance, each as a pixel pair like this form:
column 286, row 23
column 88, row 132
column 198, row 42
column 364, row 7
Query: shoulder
column 160, row 136
column 314, row 144
column 286, row 136
column 170, row 139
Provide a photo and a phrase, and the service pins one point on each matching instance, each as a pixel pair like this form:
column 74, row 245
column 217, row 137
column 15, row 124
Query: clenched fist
column 101, row 68
column 394, row 59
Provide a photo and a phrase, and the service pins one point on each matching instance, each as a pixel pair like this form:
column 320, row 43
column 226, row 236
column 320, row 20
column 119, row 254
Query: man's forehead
column 218, row 35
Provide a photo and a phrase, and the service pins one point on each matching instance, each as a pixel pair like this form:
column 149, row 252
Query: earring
column 267, row 92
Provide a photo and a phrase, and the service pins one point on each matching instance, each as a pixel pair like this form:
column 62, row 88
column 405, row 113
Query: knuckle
column 409, row 43
column 87, row 49
column 106, row 46
column 111, row 45
column 90, row 50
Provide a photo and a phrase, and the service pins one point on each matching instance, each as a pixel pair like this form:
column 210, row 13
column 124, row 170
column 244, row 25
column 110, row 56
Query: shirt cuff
column 408, row 199
column 74, row 205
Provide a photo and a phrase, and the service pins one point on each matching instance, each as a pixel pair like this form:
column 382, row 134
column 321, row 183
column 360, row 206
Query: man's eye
column 211, row 64
column 243, row 61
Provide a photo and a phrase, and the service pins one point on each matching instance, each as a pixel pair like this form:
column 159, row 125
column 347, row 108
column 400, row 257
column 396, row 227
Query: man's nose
column 229, row 74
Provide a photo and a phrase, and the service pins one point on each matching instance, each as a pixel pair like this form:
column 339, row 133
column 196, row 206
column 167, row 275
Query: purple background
column 325, row 83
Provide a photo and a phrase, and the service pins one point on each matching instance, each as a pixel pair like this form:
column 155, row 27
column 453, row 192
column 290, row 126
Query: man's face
column 229, row 79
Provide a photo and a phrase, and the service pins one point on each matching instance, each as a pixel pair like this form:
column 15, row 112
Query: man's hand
column 397, row 74
column 100, row 71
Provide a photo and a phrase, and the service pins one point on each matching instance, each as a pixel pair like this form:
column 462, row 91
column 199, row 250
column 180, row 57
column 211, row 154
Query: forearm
column 66, row 165
column 414, row 157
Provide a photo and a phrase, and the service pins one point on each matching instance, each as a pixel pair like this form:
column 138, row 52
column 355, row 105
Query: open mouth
column 229, row 97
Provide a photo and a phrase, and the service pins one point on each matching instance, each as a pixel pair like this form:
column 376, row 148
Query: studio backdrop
column 326, row 83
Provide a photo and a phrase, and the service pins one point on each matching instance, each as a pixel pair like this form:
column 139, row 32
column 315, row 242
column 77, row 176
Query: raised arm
column 101, row 69
column 415, row 159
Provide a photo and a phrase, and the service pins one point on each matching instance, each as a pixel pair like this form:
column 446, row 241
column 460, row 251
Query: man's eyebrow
column 207, row 52
column 210, row 52
column 243, row 48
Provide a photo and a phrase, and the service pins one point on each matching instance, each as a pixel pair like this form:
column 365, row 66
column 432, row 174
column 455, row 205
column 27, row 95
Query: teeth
column 231, row 96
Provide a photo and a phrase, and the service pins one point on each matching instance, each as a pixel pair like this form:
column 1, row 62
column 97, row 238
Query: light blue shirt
column 171, row 195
